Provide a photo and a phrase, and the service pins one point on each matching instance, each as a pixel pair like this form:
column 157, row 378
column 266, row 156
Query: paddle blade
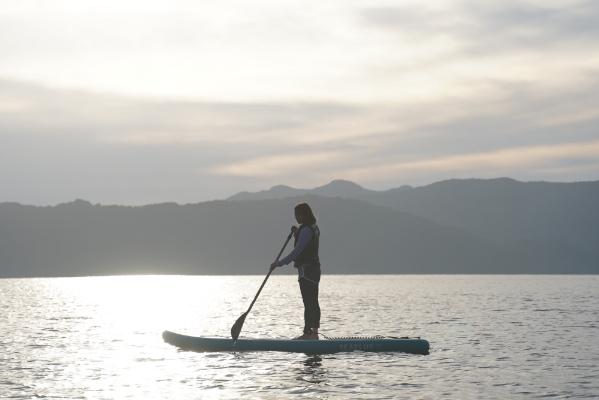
column 236, row 328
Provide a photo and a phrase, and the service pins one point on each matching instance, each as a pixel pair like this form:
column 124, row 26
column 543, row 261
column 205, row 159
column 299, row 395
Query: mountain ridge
column 491, row 226
column 502, row 210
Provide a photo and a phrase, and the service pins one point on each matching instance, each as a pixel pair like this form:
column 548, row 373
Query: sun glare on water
column 133, row 311
column 113, row 328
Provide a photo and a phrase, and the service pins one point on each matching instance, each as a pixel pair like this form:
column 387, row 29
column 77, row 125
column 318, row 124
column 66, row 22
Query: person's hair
column 304, row 210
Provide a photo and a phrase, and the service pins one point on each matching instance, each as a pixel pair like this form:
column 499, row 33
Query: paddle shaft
column 236, row 328
column 270, row 272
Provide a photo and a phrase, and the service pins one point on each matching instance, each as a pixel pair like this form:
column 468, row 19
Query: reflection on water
column 312, row 370
column 491, row 336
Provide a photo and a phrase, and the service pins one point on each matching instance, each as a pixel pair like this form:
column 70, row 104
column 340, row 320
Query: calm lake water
column 491, row 337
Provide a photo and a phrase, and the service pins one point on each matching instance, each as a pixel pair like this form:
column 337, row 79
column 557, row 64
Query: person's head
column 304, row 214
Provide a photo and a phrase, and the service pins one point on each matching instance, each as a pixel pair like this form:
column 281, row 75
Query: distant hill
column 547, row 217
column 337, row 188
column 242, row 237
column 456, row 226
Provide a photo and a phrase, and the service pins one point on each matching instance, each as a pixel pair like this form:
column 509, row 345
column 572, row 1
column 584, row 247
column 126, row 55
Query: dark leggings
column 311, row 307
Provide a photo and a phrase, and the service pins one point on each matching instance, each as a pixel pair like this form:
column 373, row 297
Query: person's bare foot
column 312, row 335
column 305, row 336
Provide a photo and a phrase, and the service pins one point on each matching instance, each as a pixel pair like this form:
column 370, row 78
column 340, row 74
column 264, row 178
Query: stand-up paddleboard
column 325, row 346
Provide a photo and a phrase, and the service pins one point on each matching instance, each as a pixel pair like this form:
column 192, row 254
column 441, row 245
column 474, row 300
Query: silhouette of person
column 306, row 260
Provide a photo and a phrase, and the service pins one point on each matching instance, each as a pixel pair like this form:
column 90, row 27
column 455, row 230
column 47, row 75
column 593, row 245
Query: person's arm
column 305, row 236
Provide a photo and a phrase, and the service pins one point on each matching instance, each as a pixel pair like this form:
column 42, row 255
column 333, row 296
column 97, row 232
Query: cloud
column 56, row 145
column 285, row 51
column 454, row 48
column 573, row 117
column 184, row 100
column 488, row 27
column 535, row 23
column 504, row 159
column 9, row 105
column 282, row 165
column 126, row 120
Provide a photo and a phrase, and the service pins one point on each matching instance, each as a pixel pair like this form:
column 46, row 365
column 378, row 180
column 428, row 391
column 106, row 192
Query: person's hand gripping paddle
column 236, row 328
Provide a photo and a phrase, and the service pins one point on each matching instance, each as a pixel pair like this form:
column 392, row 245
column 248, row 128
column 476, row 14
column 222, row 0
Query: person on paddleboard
column 305, row 258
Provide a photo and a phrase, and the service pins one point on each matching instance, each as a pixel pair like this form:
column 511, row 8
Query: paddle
column 236, row 328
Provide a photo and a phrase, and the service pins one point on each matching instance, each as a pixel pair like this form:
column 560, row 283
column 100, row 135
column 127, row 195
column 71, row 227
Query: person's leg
column 314, row 310
column 311, row 307
column 305, row 290
column 316, row 323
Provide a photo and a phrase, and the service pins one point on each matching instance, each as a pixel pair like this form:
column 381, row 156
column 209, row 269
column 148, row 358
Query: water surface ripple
column 491, row 337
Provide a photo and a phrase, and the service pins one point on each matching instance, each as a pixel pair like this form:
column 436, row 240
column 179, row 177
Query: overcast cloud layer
column 150, row 101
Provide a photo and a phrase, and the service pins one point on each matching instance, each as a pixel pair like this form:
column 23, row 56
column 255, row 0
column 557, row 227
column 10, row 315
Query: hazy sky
column 147, row 101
